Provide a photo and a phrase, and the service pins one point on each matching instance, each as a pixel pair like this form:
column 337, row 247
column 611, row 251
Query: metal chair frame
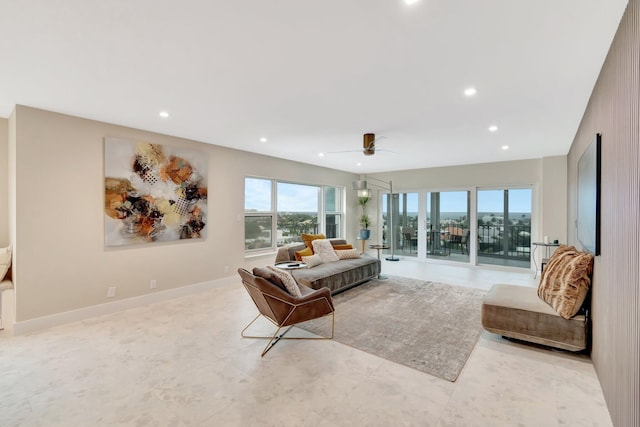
column 276, row 337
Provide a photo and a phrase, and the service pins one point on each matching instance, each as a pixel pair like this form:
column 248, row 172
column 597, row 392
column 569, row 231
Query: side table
column 363, row 240
column 546, row 247
column 378, row 248
column 291, row 265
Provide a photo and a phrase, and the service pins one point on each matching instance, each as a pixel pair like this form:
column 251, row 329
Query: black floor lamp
column 363, row 191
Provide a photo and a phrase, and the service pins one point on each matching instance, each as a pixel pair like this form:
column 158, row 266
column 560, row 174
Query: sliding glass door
column 504, row 227
column 447, row 225
column 405, row 223
column 483, row 226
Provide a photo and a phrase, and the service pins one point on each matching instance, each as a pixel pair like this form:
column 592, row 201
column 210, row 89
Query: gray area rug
column 429, row 326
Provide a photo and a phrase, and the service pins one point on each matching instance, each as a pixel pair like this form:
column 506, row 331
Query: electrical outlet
column 153, row 284
column 226, row 268
column 111, row 292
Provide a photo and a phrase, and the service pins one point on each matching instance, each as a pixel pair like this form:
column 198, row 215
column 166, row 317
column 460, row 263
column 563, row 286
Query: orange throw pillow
column 304, row 252
column 342, row 247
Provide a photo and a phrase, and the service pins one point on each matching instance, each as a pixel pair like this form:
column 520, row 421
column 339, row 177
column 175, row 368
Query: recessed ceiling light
column 505, row 147
column 493, row 128
column 470, row 91
column 358, row 164
column 320, row 154
column 164, row 114
column 410, row 2
column 263, row 139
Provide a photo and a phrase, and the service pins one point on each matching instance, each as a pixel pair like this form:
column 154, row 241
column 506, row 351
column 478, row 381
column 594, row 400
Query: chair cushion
column 565, row 281
column 267, row 274
column 287, row 279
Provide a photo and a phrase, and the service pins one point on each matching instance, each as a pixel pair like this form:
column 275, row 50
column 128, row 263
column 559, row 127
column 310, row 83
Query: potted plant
column 365, row 233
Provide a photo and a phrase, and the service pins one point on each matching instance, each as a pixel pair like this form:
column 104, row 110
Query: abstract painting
column 153, row 192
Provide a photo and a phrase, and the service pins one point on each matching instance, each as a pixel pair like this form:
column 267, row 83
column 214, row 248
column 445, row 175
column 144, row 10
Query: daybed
column 338, row 275
column 555, row 314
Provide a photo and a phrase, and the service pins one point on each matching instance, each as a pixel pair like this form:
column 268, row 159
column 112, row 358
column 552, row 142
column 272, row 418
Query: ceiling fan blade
column 368, row 146
column 387, row 151
column 343, row 151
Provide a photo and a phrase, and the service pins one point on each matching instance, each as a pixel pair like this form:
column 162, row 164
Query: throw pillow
column 312, row 260
column 288, row 280
column 303, row 253
column 347, row 253
column 566, row 279
column 308, row 238
column 5, row 261
column 266, row 274
column 342, row 247
column 323, row 248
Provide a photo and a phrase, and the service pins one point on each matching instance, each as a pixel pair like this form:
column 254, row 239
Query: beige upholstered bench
column 556, row 313
column 517, row 312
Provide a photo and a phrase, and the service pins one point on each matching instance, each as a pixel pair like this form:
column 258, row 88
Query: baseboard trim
column 46, row 322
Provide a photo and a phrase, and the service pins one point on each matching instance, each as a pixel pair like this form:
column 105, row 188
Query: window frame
column 322, row 212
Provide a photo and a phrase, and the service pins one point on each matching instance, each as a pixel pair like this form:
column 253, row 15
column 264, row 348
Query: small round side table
column 379, row 248
column 291, row 265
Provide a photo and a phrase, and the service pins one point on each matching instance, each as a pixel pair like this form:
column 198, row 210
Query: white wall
column 499, row 174
column 55, row 216
column 61, row 261
column 554, row 198
column 4, row 184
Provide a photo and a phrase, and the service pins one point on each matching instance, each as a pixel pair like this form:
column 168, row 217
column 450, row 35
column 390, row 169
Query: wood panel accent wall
column 613, row 110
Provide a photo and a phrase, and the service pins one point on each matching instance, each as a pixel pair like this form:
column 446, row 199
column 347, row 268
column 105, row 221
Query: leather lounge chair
column 283, row 309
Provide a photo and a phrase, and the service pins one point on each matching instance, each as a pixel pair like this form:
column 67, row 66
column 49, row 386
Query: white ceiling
column 314, row 76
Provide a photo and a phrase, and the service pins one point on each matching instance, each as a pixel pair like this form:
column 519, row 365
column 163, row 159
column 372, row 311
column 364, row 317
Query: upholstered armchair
column 275, row 303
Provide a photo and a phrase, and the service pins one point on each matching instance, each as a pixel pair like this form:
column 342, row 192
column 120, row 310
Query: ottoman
column 517, row 312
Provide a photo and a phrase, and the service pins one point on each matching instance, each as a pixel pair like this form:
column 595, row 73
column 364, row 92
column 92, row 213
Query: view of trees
column 291, row 225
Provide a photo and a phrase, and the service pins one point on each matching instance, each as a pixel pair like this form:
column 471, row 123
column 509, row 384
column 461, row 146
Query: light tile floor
column 183, row 363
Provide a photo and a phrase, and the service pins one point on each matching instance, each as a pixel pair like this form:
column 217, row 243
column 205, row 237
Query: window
column 332, row 212
column 290, row 209
column 297, row 211
column 258, row 213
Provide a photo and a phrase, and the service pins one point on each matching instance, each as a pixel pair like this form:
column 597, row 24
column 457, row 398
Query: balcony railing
column 491, row 241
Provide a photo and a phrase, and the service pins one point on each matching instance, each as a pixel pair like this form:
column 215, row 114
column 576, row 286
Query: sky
column 291, row 197
column 257, row 195
column 304, row 198
column 488, row 201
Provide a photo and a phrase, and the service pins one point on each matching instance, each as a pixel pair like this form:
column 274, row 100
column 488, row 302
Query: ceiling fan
column 368, row 145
